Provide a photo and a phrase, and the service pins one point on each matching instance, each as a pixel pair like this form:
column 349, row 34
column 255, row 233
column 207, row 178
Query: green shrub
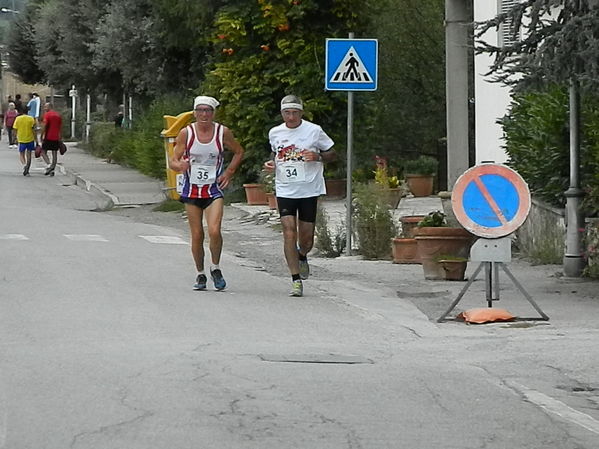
column 374, row 224
column 537, row 140
column 142, row 146
column 103, row 139
column 423, row 165
column 329, row 244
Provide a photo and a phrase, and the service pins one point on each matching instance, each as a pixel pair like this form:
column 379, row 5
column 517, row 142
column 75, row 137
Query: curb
column 78, row 180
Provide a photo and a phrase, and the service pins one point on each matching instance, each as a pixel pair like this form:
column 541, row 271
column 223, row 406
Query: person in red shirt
column 51, row 135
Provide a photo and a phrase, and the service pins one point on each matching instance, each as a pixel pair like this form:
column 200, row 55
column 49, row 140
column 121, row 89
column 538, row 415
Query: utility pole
column 457, row 25
column 573, row 260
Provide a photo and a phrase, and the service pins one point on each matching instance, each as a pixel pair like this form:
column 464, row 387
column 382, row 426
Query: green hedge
column 142, row 146
column 537, row 141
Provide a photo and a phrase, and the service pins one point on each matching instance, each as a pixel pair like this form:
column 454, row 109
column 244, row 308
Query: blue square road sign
column 351, row 64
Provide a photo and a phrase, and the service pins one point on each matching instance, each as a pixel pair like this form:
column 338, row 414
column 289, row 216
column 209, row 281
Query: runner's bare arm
column 175, row 162
column 322, row 156
column 234, row 146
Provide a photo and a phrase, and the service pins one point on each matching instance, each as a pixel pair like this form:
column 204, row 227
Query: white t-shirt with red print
column 295, row 178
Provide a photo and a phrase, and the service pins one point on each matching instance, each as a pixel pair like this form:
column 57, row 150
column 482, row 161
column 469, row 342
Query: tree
column 407, row 112
column 272, row 48
column 556, row 41
column 22, row 51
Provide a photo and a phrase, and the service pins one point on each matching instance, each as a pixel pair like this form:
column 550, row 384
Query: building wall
column 12, row 85
column 491, row 99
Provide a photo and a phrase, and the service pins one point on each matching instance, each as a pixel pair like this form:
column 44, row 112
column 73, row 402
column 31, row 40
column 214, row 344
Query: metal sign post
column 351, row 65
column 491, row 201
column 73, row 95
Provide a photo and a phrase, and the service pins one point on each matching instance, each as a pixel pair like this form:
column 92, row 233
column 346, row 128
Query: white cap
column 291, row 102
column 208, row 101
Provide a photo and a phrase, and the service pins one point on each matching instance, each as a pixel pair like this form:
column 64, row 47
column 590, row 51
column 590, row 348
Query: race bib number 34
column 202, row 174
column 291, row 171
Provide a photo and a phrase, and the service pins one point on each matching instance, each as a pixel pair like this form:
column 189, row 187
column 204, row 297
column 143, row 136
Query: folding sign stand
column 492, row 254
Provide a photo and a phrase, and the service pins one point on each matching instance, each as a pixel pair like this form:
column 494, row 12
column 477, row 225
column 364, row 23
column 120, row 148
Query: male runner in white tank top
column 198, row 154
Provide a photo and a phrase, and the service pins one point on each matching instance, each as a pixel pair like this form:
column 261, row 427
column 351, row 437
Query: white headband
column 208, row 101
column 292, row 106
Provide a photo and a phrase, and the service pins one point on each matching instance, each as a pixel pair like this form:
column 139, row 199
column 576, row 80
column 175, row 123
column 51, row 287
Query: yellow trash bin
column 172, row 126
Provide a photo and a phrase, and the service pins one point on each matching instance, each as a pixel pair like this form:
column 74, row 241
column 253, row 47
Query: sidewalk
column 120, row 186
column 568, row 301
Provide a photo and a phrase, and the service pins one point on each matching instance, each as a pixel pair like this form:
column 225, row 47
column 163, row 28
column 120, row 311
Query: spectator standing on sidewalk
column 51, row 135
column 19, row 105
column 33, row 106
column 119, row 117
column 199, row 155
column 9, row 119
column 299, row 149
column 25, row 126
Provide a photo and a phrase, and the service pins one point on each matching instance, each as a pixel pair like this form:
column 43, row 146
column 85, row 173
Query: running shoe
column 218, row 279
column 297, row 288
column 304, row 268
column 49, row 171
column 200, row 282
column 25, row 171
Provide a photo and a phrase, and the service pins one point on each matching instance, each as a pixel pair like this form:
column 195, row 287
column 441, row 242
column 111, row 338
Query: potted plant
column 404, row 246
column 268, row 180
column 335, row 180
column 420, row 173
column 454, row 267
column 404, row 249
column 388, row 182
column 255, row 192
column 435, row 238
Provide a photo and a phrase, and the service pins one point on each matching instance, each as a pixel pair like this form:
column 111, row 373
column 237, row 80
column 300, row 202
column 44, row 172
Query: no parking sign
column 491, row 200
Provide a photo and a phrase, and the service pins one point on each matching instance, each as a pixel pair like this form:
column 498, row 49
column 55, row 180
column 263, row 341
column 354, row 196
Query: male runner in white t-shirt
column 299, row 149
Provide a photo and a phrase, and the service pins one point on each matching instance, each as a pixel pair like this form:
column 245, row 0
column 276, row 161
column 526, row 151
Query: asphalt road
column 103, row 344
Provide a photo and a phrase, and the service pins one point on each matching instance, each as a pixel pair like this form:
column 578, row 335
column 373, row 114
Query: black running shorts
column 304, row 208
column 50, row 145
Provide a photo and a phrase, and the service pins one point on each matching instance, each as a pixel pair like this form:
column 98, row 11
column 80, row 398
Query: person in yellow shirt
column 25, row 125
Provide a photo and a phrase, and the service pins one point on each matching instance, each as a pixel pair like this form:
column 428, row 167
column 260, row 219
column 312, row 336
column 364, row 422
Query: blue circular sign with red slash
column 491, row 200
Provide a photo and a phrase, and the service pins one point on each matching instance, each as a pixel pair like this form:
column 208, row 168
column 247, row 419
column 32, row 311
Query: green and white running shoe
column 304, row 269
column 297, row 288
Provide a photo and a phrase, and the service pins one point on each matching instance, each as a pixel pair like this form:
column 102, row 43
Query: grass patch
column 170, row 206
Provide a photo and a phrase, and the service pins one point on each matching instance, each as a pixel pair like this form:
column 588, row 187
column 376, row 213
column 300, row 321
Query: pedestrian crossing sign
column 351, row 64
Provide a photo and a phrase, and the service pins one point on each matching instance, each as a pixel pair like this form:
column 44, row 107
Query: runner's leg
column 289, row 224
column 194, row 217
column 214, row 219
column 305, row 236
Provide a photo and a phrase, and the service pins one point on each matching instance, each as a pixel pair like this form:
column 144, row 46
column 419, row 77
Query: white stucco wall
column 491, row 99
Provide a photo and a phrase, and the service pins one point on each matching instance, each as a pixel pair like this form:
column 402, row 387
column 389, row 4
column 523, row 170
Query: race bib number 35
column 202, row 174
column 291, row 171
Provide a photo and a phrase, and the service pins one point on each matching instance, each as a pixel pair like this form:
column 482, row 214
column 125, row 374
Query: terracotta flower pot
column 441, row 241
column 420, row 185
column 405, row 250
column 336, row 188
column 455, row 270
column 393, row 196
column 409, row 224
column 255, row 194
column 272, row 200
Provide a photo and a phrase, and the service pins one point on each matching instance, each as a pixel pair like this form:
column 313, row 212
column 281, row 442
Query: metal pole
column 130, row 111
column 348, row 194
column 457, row 22
column 573, row 260
column 88, row 117
column 73, row 102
